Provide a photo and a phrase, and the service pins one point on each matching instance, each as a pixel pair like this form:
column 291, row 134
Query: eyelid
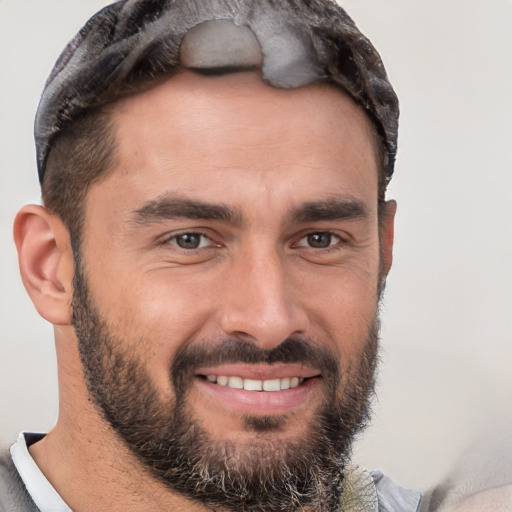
column 337, row 238
column 202, row 238
column 170, row 237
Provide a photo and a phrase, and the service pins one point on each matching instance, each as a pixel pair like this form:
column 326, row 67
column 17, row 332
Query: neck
column 92, row 470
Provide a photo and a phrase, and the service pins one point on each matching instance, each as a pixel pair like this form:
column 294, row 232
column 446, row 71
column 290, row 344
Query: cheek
column 154, row 312
column 342, row 305
column 161, row 303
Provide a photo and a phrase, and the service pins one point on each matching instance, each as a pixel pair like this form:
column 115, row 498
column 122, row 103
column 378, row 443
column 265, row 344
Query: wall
column 447, row 351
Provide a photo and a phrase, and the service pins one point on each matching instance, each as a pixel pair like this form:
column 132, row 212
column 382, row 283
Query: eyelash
column 334, row 242
column 172, row 240
column 174, row 237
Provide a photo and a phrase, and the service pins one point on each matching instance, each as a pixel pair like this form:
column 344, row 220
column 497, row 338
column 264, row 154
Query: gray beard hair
column 304, row 473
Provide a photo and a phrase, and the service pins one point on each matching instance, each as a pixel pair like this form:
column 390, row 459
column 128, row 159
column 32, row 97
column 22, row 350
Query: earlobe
column 46, row 262
column 387, row 233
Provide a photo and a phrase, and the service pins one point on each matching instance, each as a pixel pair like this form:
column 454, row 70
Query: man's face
column 235, row 244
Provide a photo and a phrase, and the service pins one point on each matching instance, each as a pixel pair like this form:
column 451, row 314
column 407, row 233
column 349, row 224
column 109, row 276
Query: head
column 226, row 228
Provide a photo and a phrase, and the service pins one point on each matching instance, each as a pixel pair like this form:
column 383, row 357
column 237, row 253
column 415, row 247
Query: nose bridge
column 260, row 301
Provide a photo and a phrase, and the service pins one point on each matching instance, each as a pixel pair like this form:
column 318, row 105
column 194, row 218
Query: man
column 212, row 249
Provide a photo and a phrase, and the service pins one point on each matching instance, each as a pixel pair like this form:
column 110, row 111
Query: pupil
column 319, row 240
column 188, row 241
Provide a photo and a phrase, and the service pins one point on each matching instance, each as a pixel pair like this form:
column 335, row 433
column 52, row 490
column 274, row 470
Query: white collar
column 40, row 489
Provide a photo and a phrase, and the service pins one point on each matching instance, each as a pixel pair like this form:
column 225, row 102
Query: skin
column 263, row 152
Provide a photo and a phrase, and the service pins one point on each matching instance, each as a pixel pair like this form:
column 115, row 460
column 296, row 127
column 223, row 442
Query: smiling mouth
column 235, row 382
column 258, row 389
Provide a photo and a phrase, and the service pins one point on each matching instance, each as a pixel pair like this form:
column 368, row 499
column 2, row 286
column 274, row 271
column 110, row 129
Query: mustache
column 233, row 351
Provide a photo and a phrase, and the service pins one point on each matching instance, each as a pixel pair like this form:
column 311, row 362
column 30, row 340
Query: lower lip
column 259, row 402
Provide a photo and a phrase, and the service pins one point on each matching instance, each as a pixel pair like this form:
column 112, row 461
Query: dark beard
column 265, row 475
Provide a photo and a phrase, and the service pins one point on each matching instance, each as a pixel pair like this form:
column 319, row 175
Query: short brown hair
column 81, row 155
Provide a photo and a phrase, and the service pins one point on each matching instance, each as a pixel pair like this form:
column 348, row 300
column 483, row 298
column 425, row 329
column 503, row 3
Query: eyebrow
column 165, row 208
column 334, row 209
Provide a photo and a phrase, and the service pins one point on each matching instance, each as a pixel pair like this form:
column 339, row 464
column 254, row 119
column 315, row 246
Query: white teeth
column 272, row 385
column 285, row 383
column 236, row 382
column 222, row 380
column 256, row 385
column 253, row 385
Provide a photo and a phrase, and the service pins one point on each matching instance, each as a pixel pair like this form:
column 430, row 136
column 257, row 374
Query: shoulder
column 393, row 497
column 372, row 491
column 13, row 493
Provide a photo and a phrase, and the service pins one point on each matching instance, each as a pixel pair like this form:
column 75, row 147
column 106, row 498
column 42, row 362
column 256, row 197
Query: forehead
column 191, row 99
column 206, row 135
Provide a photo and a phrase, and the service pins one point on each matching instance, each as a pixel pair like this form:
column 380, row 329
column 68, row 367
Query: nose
column 260, row 301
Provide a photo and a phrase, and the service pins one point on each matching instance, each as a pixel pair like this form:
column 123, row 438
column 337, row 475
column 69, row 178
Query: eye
column 320, row 240
column 190, row 241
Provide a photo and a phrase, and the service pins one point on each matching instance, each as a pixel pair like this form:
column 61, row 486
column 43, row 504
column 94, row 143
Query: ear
column 46, row 262
column 386, row 235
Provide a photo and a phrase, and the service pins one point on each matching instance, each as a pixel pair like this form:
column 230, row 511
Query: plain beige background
column 447, row 336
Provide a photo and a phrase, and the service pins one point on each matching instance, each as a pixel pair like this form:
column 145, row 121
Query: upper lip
column 259, row 371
